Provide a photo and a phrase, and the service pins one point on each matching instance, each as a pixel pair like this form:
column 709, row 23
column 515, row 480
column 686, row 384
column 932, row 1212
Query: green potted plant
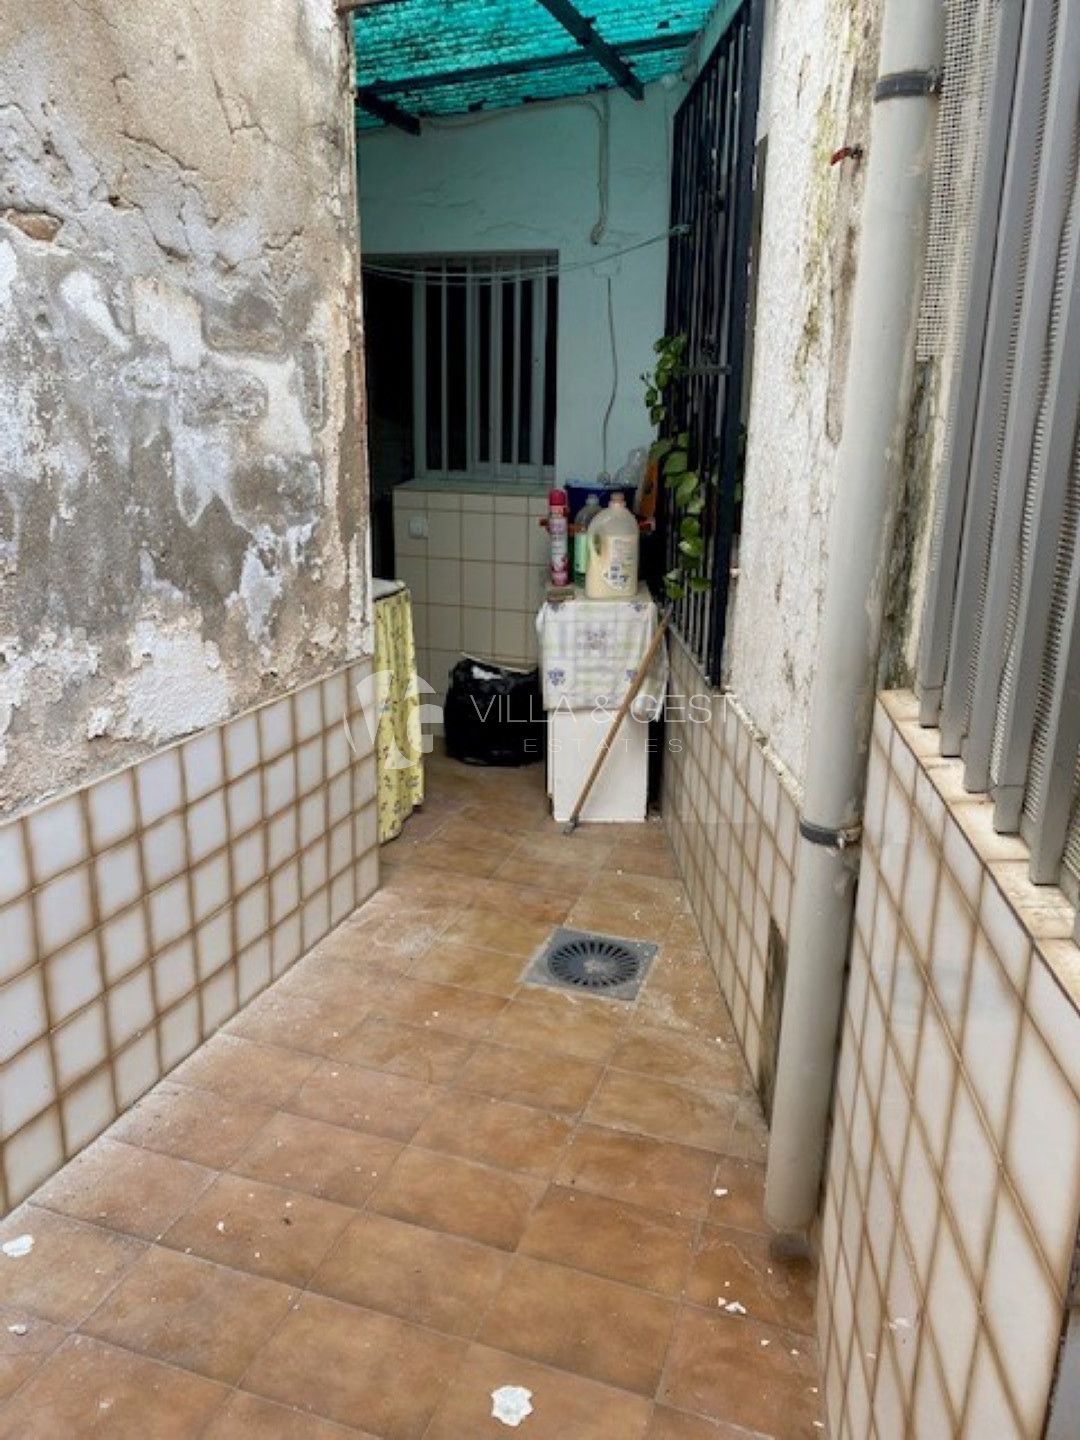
column 686, row 487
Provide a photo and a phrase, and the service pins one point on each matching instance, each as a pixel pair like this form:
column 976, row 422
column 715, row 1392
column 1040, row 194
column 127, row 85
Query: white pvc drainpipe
column 879, row 392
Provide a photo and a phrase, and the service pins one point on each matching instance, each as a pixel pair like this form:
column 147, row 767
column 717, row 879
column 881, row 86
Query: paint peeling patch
column 511, row 1405
column 17, row 1248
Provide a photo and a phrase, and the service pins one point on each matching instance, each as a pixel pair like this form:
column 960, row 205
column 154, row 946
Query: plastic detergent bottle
column 582, row 520
column 614, row 539
column 558, row 528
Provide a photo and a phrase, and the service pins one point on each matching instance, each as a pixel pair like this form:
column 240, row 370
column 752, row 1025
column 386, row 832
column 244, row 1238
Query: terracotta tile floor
column 401, row 1180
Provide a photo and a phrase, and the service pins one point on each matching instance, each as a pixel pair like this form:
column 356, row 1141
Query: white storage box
column 621, row 789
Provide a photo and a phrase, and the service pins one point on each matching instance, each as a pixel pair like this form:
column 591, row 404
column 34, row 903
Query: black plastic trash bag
column 494, row 716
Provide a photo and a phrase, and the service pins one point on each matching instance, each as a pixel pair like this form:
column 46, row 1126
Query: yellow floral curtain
column 399, row 740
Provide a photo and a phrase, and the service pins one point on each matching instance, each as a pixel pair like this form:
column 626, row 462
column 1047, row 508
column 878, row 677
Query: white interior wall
column 528, row 179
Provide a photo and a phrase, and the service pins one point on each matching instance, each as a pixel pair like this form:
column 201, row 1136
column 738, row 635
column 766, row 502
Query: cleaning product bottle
column 582, row 521
column 614, row 539
column 558, row 528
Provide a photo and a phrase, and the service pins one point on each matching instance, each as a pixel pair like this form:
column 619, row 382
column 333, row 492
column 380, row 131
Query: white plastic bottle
column 582, row 520
column 614, row 540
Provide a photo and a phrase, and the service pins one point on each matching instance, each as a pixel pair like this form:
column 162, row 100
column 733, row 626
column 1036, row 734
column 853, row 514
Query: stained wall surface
column 182, row 480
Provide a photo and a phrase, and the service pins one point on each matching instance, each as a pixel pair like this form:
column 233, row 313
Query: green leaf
column 676, row 463
column 659, row 449
column 699, row 585
column 696, row 504
column 685, row 487
column 683, row 440
column 693, row 549
column 689, row 528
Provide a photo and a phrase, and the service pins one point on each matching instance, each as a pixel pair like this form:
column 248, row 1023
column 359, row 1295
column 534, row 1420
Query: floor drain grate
column 602, row 965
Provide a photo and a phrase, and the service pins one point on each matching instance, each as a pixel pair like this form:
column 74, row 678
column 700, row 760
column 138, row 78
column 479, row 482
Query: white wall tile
column 218, row 1001
column 309, row 765
column 63, row 909
column 241, row 738
column 972, row 1177
column 118, row 879
column 335, row 700
column 279, row 784
column 244, row 803
column 73, row 978
column 203, row 762
column 478, row 584
column 283, row 838
column 477, row 536
column 80, row 1045
column 170, row 913
column 444, row 578
column 308, row 708
column 164, row 851
column 275, row 728
column 57, row 837
column 312, row 823
column 315, row 919
column 135, row 1069
column 179, row 1032
column 130, row 1007
column 14, row 869
column 27, row 1087
column 444, row 538
column 1043, row 1152
column 252, row 915
column 991, row 1035
column 174, row 973
column 342, row 896
column 286, row 944
column 953, row 1315
column 339, row 795
column 248, row 860
column 34, row 1154
column 511, row 587
column 950, row 953
column 210, row 885
column 19, row 948
column 214, row 944
column 1023, row 1314
column 159, row 785
column 931, row 1414
column 207, row 827
column 125, row 942
column 253, row 970
column 339, row 754
column 86, row 1110
column 110, row 804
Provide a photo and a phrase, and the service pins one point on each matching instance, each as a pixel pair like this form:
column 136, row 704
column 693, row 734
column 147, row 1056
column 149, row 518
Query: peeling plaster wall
column 526, row 180
column 819, row 66
column 182, row 481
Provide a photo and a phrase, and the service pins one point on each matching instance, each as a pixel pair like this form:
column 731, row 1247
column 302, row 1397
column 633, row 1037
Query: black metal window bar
column 712, row 216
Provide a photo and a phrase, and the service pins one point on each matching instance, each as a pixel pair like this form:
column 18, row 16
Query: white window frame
column 475, row 272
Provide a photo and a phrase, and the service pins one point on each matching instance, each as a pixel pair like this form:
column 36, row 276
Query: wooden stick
column 620, row 715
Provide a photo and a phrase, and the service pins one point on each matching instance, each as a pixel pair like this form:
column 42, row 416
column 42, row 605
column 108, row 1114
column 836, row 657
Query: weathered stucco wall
column 182, row 511
column 819, row 67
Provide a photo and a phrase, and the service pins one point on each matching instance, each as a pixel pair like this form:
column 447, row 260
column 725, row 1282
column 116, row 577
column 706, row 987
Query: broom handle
column 620, row 715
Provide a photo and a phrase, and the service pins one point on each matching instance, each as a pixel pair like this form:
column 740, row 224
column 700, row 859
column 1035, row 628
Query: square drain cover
column 589, row 964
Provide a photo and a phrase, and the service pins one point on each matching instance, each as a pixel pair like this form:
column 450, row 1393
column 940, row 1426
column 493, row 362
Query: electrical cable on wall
column 403, row 270
column 614, row 374
column 601, row 113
